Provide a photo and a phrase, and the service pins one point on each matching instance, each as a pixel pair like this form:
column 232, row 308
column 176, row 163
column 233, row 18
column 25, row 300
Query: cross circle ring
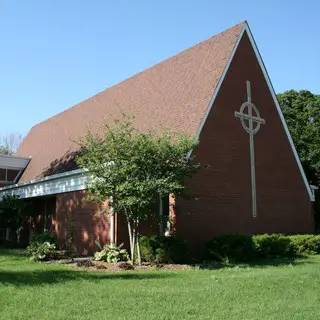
column 247, row 105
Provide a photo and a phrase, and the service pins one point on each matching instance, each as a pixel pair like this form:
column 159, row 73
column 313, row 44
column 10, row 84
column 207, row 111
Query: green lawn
column 30, row 290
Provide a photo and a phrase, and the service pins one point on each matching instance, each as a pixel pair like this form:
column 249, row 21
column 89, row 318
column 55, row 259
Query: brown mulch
column 123, row 266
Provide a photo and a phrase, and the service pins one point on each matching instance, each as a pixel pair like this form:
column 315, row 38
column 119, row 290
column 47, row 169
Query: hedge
column 163, row 249
column 244, row 247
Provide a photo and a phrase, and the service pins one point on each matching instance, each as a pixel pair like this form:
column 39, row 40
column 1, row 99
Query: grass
column 277, row 290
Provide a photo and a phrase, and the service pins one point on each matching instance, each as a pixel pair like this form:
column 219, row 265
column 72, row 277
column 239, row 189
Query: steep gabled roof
column 173, row 94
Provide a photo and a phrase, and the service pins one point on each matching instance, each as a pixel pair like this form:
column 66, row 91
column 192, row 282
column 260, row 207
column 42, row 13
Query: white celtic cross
column 251, row 120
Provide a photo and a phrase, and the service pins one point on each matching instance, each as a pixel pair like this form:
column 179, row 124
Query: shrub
column 232, row 247
column 41, row 251
column 42, row 237
column 306, row 243
column 273, row 246
column 163, row 249
column 244, row 248
column 112, row 253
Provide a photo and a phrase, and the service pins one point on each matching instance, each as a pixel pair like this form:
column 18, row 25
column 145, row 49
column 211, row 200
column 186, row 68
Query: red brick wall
column 224, row 189
column 78, row 216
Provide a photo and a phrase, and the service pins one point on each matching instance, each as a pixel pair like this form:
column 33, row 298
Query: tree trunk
column 138, row 244
column 18, row 233
column 130, row 238
column 133, row 244
column 161, row 232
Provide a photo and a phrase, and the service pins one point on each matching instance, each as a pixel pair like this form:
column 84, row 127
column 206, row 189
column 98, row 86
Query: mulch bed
column 124, row 266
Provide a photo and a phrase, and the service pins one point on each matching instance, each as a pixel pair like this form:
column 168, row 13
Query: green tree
column 301, row 110
column 302, row 113
column 133, row 169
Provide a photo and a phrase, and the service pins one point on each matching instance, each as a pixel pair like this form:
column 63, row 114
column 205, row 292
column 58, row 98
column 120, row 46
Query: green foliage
column 38, row 251
column 112, row 253
column 306, row 243
column 133, row 167
column 42, row 247
column 245, row 248
column 163, row 249
column 231, row 247
column 302, row 113
column 42, row 237
column 273, row 246
column 14, row 211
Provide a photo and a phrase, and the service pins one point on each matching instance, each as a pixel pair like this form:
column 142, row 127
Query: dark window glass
column 2, row 174
column 12, row 175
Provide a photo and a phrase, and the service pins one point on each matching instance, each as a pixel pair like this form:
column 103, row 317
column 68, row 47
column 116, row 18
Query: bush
column 112, row 253
column 42, row 237
column 273, row 246
column 163, row 249
column 245, row 248
column 231, row 247
column 41, row 251
column 306, row 243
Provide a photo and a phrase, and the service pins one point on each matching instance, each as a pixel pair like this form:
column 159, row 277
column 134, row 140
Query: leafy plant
column 273, row 246
column 245, row 248
column 306, row 243
column 163, row 249
column 112, row 253
column 235, row 247
column 41, row 251
column 301, row 111
column 133, row 169
column 41, row 237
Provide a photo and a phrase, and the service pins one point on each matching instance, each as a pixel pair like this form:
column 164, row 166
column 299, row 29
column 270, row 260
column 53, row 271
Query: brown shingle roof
column 173, row 94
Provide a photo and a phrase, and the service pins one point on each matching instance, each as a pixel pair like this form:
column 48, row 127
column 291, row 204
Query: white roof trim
column 271, row 89
column 74, row 180
column 217, row 89
column 48, row 178
column 13, row 162
column 14, row 156
column 267, row 78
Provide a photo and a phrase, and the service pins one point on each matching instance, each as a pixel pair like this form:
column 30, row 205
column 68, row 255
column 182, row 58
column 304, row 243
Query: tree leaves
column 134, row 167
column 302, row 113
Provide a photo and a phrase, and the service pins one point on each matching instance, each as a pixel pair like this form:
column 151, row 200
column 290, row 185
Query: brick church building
column 218, row 91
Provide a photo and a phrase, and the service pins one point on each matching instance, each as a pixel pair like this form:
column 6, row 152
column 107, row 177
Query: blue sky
column 57, row 53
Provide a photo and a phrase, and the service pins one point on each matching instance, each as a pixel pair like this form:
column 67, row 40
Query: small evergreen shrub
column 163, row 249
column 230, row 247
column 112, row 253
column 41, row 251
column 306, row 243
column 273, row 246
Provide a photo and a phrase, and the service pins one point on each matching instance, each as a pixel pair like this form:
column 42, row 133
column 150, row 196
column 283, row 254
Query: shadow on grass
column 12, row 252
column 263, row 263
column 40, row 277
